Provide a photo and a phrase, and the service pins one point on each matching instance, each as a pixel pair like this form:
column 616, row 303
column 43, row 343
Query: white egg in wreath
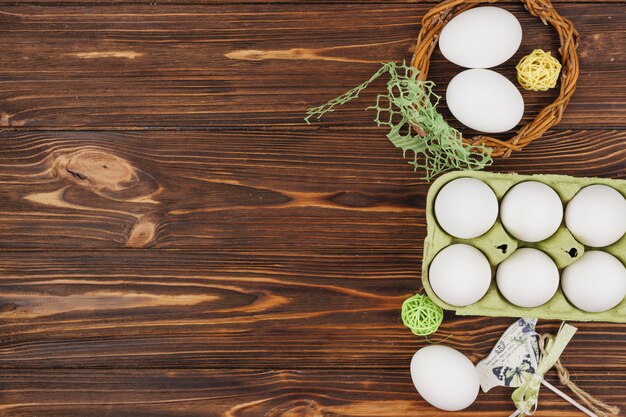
column 484, row 100
column 482, row 37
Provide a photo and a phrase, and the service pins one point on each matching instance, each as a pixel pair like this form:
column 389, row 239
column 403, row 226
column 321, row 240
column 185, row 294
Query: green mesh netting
column 409, row 110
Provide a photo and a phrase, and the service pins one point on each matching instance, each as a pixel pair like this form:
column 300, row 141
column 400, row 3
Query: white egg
column 596, row 216
column 484, row 100
column 444, row 377
column 460, row 274
column 531, row 211
column 466, row 208
column 596, row 282
column 528, row 278
column 482, row 37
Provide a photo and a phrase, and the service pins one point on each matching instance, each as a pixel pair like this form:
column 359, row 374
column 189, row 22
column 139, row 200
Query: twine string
column 599, row 407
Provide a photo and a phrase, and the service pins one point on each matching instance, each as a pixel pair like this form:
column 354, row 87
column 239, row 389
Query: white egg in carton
column 546, row 246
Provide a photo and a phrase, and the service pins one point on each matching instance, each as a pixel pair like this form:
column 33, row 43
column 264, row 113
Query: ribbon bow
column 525, row 397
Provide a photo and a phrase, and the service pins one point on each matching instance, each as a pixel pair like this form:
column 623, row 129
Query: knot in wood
column 102, row 170
column 105, row 174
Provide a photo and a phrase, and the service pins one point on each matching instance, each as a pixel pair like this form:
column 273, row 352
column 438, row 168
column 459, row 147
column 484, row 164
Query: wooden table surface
column 175, row 241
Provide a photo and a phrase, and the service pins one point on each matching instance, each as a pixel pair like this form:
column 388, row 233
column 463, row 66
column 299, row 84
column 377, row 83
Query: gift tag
column 514, row 358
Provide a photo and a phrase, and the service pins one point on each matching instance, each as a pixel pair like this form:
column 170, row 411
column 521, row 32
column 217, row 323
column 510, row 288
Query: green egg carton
column 497, row 245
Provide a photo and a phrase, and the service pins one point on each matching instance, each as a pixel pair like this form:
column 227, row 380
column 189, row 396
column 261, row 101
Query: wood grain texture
column 227, row 66
column 316, row 189
column 243, row 393
column 176, row 242
column 184, row 309
column 157, row 5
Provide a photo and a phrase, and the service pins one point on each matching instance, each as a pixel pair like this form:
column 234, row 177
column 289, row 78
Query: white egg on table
column 460, row 274
column 531, row 211
column 484, row 100
column 596, row 282
column 466, row 208
column 596, row 216
column 482, row 37
column 444, row 377
column 527, row 278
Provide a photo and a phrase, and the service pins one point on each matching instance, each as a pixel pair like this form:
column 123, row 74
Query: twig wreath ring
column 437, row 17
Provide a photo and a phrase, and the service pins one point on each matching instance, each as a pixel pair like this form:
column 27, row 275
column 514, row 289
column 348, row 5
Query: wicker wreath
column 434, row 21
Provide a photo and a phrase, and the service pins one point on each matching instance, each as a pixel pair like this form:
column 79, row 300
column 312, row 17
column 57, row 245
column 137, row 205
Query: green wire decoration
column 409, row 110
column 421, row 315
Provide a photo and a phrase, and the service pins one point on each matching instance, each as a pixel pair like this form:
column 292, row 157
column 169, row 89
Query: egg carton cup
column 437, row 17
column 497, row 245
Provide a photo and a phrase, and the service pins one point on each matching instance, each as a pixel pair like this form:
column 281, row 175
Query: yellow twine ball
column 421, row 315
column 538, row 71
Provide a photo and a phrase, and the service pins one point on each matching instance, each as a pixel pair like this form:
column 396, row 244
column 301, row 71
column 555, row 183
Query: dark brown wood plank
column 254, row 190
column 249, row 393
column 184, row 309
column 232, row 65
column 292, row 246
column 430, row 3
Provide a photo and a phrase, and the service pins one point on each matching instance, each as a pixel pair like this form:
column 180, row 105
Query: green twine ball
column 421, row 315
